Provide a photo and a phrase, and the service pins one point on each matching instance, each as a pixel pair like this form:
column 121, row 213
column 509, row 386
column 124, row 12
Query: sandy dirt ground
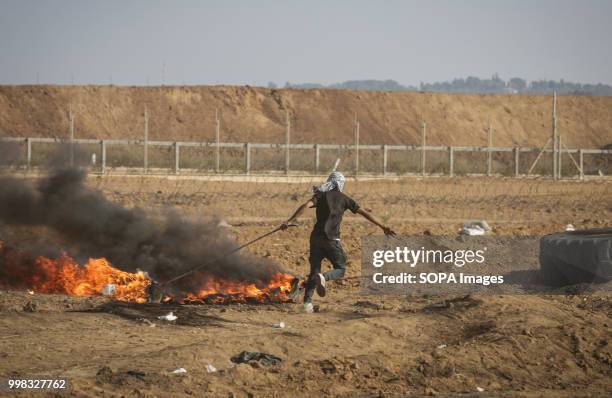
column 368, row 346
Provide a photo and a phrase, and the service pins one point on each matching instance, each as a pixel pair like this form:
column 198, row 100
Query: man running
column 330, row 204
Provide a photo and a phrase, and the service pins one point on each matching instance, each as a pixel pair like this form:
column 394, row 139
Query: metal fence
column 158, row 157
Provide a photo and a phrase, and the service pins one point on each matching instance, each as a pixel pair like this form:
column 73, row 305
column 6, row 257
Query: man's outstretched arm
column 297, row 213
column 371, row 218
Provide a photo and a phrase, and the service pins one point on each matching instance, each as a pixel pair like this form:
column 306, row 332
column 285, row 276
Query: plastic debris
column 473, row 231
column 570, row 227
column 210, row 369
column 109, row 289
column 475, row 227
column 280, row 325
column 179, row 371
column 479, row 389
column 224, row 224
column 30, row 292
column 263, row 358
column 168, row 317
column 441, row 346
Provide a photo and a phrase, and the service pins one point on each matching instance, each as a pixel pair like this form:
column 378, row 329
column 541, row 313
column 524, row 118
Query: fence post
column 177, row 157
column 316, row 158
column 146, row 140
column 423, row 133
column 516, row 161
column 103, row 155
column 247, row 158
column 581, row 162
column 71, row 115
column 217, row 136
column 560, row 152
column 451, row 161
column 287, row 141
column 489, row 145
column 384, row 159
column 356, row 145
column 555, row 143
column 29, row 153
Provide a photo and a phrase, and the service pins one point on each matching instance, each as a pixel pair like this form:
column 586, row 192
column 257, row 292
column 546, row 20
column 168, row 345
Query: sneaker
column 320, row 280
column 308, row 308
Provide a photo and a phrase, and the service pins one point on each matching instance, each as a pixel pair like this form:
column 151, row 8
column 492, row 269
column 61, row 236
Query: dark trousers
column 321, row 247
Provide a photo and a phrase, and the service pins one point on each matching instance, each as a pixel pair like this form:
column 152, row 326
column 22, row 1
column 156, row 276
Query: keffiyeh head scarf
column 335, row 180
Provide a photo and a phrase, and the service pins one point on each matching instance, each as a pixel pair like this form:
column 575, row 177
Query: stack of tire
column 576, row 257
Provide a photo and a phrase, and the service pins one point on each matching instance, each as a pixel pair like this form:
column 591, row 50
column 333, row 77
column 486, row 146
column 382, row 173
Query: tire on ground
column 573, row 257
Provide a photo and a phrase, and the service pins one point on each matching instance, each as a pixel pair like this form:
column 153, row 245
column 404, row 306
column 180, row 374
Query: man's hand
column 388, row 231
column 296, row 214
column 287, row 224
column 370, row 217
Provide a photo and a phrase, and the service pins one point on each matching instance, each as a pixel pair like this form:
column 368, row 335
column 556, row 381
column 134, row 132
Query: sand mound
column 317, row 116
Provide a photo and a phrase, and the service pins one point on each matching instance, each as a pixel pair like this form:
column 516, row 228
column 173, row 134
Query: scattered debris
column 29, row 307
column 466, row 301
column 31, row 292
column 136, row 373
column 263, row 358
column 168, row 317
column 570, row 227
column 327, row 366
column 280, row 325
column 479, row 389
column 441, row 346
column 476, row 329
column 155, row 294
column 104, row 375
column 224, row 224
column 367, row 304
column 475, row 227
column 473, row 231
column 210, row 369
column 109, row 290
column 179, row 371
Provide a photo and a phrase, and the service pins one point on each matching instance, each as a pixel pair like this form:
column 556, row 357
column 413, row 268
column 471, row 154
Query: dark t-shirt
column 330, row 208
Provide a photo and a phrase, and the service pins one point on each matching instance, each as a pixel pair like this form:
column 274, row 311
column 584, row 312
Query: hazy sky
column 254, row 42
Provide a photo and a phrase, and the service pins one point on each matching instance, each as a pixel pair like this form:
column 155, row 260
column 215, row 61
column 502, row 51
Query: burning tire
column 569, row 258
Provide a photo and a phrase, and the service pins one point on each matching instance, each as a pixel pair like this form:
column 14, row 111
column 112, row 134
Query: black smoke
column 130, row 239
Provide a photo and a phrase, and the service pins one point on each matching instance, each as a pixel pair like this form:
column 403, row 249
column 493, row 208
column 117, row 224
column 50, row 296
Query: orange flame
column 219, row 290
column 64, row 275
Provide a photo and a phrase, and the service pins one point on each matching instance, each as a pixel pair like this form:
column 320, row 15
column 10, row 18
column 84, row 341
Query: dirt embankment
column 317, row 116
